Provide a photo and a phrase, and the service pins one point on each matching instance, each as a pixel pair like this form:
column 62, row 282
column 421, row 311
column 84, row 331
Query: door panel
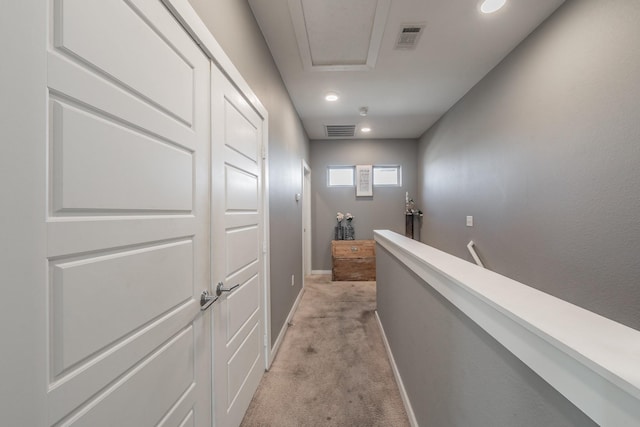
column 241, row 132
column 242, row 190
column 71, row 391
column 241, row 365
column 79, row 332
column 129, row 401
column 128, row 220
column 243, row 303
column 242, row 248
column 88, row 33
column 70, row 77
column 116, row 168
column 237, row 229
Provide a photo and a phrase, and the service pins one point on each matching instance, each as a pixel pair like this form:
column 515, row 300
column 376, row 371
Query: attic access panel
column 334, row 35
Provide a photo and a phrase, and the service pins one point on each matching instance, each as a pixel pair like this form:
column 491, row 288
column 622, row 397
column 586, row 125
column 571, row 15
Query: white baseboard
column 283, row 331
column 396, row 374
column 320, row 271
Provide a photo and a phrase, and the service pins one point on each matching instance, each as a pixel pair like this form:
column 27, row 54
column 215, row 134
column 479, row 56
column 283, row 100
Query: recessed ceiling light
column 365, row 130
column 331, row 96
column 490, row 6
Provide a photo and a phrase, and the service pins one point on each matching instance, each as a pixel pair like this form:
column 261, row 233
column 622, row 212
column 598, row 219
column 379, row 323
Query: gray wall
column 455, row 374
column 385, row 210
column 544, row 153
column 234, row 27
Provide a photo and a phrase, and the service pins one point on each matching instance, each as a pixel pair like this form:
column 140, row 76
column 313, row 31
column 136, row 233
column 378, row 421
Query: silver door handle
column 206, row 299
column 220, row 288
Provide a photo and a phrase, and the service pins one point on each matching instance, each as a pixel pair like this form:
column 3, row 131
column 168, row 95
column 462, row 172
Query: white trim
column 191, row 22
column 396, row 373
column 306, row 212
column 187, row 16
column 319, row 272
column 23, row 247
column 591, row 360
column 285, row 327
column 266, row 244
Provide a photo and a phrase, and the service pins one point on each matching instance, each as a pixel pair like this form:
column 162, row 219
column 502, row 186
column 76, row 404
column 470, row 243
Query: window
column 387, row 176
column 340, row 176
column 383, row 176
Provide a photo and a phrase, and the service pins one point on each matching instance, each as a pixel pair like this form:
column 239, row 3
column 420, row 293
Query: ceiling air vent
column 409, row 36
column 340, row 131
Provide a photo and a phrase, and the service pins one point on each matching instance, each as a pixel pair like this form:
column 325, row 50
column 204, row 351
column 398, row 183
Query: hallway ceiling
column 349, row 47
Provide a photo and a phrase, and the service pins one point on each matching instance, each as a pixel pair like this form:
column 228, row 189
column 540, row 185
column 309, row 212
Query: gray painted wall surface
column 235, row 29
column 545, row 153
column 385, row 210
column 455, row 374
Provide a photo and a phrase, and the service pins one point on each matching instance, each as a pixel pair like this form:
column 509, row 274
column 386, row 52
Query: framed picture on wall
column 364, row 180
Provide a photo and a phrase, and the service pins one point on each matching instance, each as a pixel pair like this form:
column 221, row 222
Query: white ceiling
column 347, row 46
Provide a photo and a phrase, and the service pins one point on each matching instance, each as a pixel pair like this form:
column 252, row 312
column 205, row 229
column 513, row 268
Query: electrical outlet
column 469, row 221
column 293, row 279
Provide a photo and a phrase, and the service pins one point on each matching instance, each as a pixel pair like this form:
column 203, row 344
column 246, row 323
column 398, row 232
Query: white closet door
column 127, row 218
column 237, row 259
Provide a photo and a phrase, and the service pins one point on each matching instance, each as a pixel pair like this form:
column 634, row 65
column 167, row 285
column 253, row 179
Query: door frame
column 187, row 16
column 306, row 220
column 266, row 251
column 24, row 303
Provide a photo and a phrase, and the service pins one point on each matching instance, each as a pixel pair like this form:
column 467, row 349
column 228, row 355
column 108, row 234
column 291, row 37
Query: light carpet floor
column 332, row 368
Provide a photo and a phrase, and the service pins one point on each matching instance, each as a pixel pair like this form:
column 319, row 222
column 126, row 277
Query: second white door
column 237, row 255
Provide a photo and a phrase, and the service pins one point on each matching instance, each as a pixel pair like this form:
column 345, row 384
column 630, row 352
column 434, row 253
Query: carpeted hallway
column 332, row 368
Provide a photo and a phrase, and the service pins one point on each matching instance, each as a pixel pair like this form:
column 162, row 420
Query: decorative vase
column 339, row 232
column 349, row 232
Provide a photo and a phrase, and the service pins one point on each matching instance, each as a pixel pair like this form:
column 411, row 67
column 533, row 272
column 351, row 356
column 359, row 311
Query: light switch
column 469, row 221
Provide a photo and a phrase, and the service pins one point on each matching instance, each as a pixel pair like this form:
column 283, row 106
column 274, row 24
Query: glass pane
column 386, row 175
column 340, row 176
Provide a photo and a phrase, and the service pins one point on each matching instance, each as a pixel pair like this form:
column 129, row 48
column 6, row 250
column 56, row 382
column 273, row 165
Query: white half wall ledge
column 593, row 361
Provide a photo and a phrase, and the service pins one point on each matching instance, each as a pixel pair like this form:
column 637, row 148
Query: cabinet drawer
column 353, row 248
column 359, row 269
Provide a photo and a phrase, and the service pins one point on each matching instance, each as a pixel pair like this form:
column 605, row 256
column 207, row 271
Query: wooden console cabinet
column 353, row 260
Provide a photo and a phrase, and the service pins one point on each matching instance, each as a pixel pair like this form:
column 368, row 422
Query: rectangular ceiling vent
column 409, row 36
column 340, row 131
